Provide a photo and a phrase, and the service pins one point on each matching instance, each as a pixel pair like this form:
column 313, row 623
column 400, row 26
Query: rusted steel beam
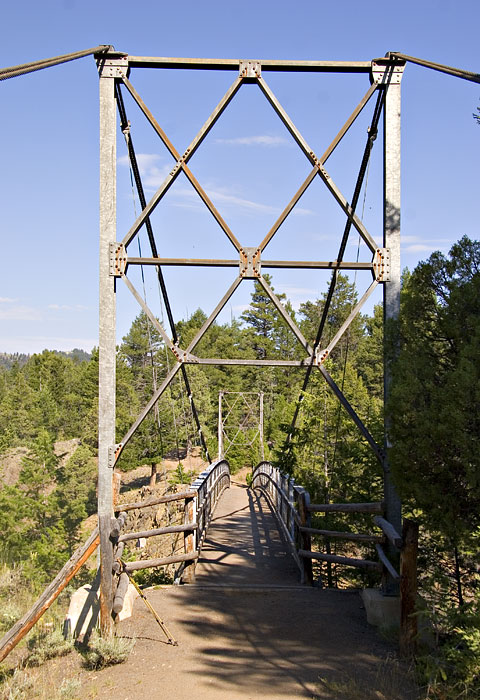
column 247, row 363
column 178, row 167
column 211, row 262
column 358, row 109
column 352, row 413
column 182, row 160
column 322, row 355
column 233, row 64
column 285, row 315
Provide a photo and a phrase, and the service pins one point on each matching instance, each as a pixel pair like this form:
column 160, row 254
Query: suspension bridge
column 233, row 537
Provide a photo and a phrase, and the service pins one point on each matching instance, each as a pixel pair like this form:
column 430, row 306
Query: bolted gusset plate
column 381, row 265
column 250, row 263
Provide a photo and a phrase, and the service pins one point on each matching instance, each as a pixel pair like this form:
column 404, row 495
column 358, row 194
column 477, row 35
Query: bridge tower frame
column 385, row 77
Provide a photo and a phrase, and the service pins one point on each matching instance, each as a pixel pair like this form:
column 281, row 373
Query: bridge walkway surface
column 247, row 628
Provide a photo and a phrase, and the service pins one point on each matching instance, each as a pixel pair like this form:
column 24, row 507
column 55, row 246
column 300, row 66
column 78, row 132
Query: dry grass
column 393, row 681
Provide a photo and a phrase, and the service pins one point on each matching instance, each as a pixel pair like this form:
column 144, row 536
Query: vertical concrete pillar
column 106, row 342
column 391, row 288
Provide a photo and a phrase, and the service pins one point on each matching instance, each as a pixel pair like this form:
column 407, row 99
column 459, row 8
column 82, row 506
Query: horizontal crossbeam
column 233, row 64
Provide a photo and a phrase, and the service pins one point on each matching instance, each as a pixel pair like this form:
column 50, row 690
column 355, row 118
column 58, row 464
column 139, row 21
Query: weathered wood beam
column 346, row 561
column 155, row 501
column 152, row 563
column 389, row 531
column 188, row 527
column 344, row 535
column 346, row 507
column 25, row 624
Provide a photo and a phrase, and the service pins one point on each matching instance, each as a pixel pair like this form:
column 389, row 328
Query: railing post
column 188, row 575
column 305, row 539
column 291, row 522
column 408, row 588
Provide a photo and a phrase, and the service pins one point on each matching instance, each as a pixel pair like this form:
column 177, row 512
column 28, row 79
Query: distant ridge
column 8, row 360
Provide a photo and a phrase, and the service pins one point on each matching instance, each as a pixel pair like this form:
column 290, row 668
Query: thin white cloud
column 67, row 307
column 297, row 295
column 151, row 166
column 7, row 300
column 418, row 244
column 20, row 313
column 290, row 291
column 34, row 344
column 418, row 248
column 261, row 140
column 154, row 174
column 189, row 199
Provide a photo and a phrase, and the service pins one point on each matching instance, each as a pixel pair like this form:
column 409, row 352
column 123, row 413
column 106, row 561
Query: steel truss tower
column 115, row 257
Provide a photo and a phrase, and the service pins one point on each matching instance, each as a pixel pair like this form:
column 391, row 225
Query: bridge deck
column 243, row 545
column 246, row 629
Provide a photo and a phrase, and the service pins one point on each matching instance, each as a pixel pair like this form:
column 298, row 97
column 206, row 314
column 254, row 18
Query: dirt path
column 247, row 629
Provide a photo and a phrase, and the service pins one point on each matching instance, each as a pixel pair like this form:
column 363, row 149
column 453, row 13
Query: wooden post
column 305, row 539
column 408, row 589
column 153, row 475
column 188, row 575
column 51, row 593
column 117, row 483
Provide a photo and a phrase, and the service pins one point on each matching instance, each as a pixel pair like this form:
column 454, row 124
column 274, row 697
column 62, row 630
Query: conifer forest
column 434, row 413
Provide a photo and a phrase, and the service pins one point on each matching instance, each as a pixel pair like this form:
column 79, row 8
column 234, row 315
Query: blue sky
column 248, row 164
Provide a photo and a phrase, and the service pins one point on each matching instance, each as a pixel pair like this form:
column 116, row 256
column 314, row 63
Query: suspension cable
column 347, row 344
column 161, row 279
column 456, row 72
column 126, row 133
column 22, row 69
column 372, row 135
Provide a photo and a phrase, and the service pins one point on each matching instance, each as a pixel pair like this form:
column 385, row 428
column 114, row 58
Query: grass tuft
column 104, row 652
column 47, row 645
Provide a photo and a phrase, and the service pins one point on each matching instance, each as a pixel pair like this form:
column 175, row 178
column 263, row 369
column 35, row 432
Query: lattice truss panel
column 240, row 420
column 249, row 260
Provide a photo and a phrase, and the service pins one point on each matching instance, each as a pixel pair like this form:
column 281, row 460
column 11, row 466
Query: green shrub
column 47, row 645
column 104, row 652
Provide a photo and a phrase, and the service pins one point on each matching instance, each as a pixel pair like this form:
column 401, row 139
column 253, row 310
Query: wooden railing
column 200, row 499
column 291, row 504
column 209, row 486
column 288, row 501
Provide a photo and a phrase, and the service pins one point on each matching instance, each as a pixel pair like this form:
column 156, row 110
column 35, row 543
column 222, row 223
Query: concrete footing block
column 382, row 611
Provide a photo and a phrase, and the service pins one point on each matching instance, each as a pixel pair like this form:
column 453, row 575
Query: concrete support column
column 391, row 288
column 106, row 343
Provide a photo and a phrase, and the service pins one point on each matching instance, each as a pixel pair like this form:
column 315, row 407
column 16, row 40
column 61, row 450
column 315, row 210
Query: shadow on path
column 237, row 642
